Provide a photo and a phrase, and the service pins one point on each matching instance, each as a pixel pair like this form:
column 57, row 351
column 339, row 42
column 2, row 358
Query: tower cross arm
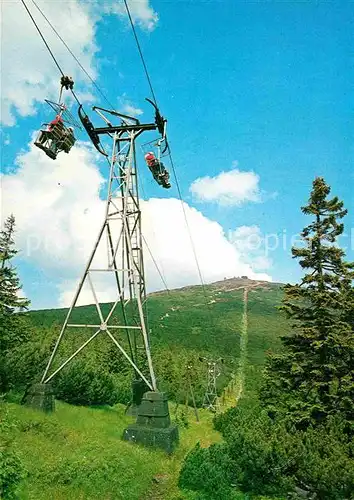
column 126, row 128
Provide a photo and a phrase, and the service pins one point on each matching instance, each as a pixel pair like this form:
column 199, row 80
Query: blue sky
column 262, row 87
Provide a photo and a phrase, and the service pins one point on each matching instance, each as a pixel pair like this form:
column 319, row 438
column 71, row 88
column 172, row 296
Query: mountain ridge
column 227, row 284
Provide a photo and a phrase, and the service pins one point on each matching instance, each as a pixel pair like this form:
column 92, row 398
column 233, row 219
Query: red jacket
column 57, row 119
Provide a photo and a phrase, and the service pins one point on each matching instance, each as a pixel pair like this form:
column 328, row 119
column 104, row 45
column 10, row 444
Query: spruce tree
column 314, row 376
column 9, row 281
column 13, row 326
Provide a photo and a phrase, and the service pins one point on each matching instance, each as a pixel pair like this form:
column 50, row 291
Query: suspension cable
column 73, row 55
column 170, row 156
column 140, row 52
column 190, row 233
column 160, row 271
column 156, row 265
column 44, row 40
column 49, row 50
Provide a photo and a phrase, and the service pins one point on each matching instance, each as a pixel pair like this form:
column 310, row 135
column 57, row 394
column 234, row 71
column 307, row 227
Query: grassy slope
column 77, row 452
column 188, row 323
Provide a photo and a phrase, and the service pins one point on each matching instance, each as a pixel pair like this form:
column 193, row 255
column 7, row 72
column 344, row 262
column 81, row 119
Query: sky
column 259, row 101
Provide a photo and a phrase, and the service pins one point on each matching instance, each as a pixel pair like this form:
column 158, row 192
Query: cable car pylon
column 124, row 322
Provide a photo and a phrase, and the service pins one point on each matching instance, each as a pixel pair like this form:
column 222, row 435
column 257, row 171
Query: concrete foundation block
column 153, row 425
column 40, row 397
column 167, row 439
column 139, row 387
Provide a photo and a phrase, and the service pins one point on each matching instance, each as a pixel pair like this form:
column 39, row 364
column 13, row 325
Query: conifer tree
column 314, row 376
column 9, row 281
column 13, row 326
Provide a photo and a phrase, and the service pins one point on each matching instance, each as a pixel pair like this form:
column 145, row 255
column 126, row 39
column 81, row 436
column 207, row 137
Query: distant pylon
column 211, row 400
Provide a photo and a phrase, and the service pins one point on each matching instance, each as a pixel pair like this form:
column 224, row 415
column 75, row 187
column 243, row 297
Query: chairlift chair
column 159, row 145
column 58, row 135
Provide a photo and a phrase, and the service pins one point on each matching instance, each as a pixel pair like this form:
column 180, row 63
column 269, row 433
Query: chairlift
column 156, row 149
column 158, row 170
column 58, row 135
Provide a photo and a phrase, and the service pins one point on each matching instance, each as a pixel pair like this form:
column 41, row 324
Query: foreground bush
column 209, row 471
column 326, row 461
column 260, row 457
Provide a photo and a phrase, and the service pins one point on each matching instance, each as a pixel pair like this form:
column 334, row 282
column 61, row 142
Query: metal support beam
column 125, row 128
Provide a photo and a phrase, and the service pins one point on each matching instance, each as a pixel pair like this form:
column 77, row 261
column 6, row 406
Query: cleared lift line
column 243, row 348
column 234, row 390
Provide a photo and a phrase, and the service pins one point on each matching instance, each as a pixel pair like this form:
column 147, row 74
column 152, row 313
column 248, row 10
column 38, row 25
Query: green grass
column 78, row 453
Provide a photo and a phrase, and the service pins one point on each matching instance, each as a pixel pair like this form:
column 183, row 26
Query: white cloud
column 28, row 74
column 58, row 214
column 251, row 246
column 131, row 110
column 48, row 199
column 127, row 107
column 141, row 12
column 169, row 238
column 227, row 188
column 246, row 238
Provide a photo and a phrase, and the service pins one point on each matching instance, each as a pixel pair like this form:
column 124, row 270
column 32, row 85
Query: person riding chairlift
column 158, row 170
column 68, row 140
column 47, row 139
column 56, row 138
column 58, row 119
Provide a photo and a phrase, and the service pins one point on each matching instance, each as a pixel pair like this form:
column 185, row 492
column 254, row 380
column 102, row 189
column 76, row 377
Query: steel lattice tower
column 121, row 236
column 211, row 400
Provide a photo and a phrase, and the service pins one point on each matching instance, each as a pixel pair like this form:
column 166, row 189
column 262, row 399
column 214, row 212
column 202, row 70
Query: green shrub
column 262, row 458
column 240, row 416
column 326, row 461
column 123, row 387
column 253, row 458
column 11, row 472
column 11, row 468
column 208, row 470
column 81, row 385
